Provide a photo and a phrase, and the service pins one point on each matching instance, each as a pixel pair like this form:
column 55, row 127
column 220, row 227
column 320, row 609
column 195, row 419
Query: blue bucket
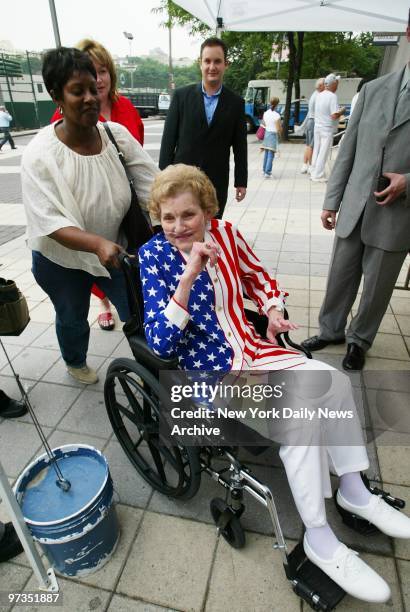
column 78, row 530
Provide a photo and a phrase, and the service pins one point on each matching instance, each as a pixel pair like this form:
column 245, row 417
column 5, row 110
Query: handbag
column 260, row 132
column 14, row 315
column 135, row 225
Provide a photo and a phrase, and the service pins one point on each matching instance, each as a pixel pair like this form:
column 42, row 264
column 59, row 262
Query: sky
column 27, row 25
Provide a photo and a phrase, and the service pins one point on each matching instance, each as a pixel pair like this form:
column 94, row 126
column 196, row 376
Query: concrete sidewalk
column 170, row 556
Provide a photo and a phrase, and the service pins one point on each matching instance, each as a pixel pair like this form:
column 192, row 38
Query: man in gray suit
column 373, row 225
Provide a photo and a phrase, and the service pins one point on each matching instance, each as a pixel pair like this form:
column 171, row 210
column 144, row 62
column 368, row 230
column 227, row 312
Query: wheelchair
column 132, row 393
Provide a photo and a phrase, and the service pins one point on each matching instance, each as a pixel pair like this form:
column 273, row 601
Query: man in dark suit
column 204, row 121
column 373, row 225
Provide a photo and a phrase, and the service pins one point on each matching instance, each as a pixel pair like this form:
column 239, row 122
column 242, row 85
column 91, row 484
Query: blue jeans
column 267, row 161
column 69, row 290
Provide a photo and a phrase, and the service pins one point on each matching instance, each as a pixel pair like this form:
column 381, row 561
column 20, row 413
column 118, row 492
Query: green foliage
column 149, row 72
column 326, row 52
column 175, row 15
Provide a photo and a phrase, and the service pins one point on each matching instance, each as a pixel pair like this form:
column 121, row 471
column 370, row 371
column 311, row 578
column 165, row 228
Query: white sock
column 353, row 489
column 323, row 541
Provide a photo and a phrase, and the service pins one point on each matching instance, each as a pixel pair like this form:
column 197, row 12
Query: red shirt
column 123, row 112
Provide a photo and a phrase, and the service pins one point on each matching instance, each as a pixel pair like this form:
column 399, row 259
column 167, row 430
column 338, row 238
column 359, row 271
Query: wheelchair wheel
column 228, row 524
column 131, row 395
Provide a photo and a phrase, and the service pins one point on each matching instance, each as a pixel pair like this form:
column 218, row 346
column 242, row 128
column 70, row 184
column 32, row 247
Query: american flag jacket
column 213, row 333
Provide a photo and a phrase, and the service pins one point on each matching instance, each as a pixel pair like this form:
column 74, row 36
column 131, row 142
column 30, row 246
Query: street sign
column 385, row 39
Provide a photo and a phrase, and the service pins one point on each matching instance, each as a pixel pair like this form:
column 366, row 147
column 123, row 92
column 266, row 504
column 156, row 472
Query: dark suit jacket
column 188, row 139
column 354, row 175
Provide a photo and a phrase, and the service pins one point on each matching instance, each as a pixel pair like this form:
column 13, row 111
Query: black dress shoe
column 10, row 545
column 316, row 343
column 355, row 358
column 10, row 408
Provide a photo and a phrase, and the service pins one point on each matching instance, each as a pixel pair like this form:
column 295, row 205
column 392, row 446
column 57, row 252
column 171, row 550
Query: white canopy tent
column 300, row 15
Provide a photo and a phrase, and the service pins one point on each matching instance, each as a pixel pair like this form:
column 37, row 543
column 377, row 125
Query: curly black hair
column 59, row 66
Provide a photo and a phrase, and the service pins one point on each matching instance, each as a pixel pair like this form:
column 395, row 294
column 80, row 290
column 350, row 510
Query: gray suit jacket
column 354, row 176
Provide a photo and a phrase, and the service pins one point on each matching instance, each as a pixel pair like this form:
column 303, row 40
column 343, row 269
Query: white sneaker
column 351, row 573
column 321, row 179
column 267, row 175
column 84, row 375
column 309, row 170
column 389, row 520
column 304, row 169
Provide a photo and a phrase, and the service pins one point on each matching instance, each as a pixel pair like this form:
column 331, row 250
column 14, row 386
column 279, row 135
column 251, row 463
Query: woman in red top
column 114, row 107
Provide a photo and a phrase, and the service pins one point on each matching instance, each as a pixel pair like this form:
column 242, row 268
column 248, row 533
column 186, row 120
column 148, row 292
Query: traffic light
column 10, row 66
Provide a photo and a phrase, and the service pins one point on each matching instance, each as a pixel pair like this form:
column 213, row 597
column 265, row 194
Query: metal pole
column 170, row 65
column 55, row 23
column 46, row 578
column 34, row 91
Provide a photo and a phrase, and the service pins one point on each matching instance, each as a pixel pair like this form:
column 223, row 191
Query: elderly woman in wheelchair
column 194, row 275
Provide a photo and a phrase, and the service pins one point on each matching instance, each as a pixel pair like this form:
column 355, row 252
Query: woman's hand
column 277, row 324
column 107, row 252
column 200, row 254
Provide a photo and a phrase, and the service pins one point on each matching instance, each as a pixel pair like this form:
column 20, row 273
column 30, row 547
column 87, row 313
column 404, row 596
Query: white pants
column 322, row 144
column 307, row 467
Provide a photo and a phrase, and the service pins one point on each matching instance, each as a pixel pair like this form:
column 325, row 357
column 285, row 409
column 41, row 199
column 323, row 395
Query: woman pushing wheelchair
column 194, row 275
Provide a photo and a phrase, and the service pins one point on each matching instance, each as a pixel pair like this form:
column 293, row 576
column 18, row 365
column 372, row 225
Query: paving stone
column 48, row 339
column 103, row 343
column 58, row 373
column 293, row 268
column 394, row 461
column 404, row 324
column 19, row 442
column 170, row 562
column 389, row 346
column 13, row 579
column 389, row 410
column 50, row 402
column 403, row 568
column 76, row 597
column 88, row 415
column 389, row 380
column 129, row 485
column 60, row 438
column 106, row 578
column 43, row 312
column 297, row 297
column 32, row 362
column 374, row 363
column 400, row 305
column 32, row 331
column 196, row 508
column 252, row 578
column 125, row 604
column 401, row 546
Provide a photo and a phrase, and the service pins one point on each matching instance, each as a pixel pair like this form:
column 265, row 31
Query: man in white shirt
column 5, row 120
column 310, row 126
column 327, row 113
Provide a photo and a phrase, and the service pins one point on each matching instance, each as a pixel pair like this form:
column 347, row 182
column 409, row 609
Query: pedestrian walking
column 273, row 129
column 327, row 113
column 5, row 120
column 310, row 127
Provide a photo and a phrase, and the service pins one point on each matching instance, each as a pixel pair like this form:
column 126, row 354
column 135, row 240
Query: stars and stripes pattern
column 213, row 333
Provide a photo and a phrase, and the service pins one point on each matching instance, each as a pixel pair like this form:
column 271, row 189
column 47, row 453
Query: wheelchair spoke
column 158, row 463
column 130, row 415
column 129, row 394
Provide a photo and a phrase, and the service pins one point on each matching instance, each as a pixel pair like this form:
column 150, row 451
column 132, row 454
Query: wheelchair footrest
column 310, row 583
column 355, row 522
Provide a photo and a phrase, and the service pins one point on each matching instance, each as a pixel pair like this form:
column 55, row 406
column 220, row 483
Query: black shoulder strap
column 114, row 142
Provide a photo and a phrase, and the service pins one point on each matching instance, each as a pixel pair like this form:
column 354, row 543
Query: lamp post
column 171, row 83
column 55, row 23
column 130, row 38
